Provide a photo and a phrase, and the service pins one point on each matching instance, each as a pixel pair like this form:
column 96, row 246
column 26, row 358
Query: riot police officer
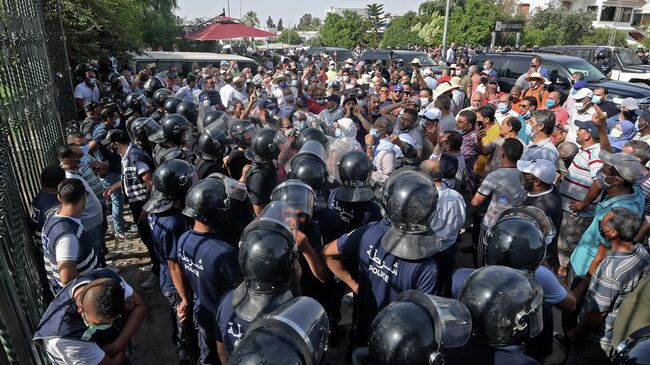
column 240, row 211
column 171, row 181
column 267, row 255
column 392, row 255
column 136, row 104
column 241, row 133
column 208, row 263
column 151, row 86
column 309, row 134
column 217, row 117
column 353, row 200
column 262, row 177
column 415, row 329
column 140, row 129
column 188, row 110
column 271, row 341
column 210, row 149
column 171, row 138
column 171, row 103
column 506, row 309
column 159, row 98
column 602, row 61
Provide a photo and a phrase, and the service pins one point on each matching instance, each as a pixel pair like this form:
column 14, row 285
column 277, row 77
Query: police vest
column 162, row 154
column 207, row 167
column 62, row 320
column 134, row 187
column 56, row 227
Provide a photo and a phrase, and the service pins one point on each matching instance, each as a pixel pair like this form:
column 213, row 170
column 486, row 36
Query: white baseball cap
column 582, row 93
column 431, row 113
column 540, row 168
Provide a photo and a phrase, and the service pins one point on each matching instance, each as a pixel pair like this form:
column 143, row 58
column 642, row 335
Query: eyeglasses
column 398, row 91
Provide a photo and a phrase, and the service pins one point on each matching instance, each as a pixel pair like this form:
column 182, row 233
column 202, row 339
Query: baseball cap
column 540, row 168
column 580, row 84
column 431, row 114
column 335, row 98
column 398, row 87
column 629, row 104
column 625, row 164
column 115, row 135
column 588, row 125
column 223, row 63
column 582, row 93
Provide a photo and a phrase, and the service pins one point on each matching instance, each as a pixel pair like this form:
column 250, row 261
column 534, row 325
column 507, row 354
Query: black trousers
column 145, row 234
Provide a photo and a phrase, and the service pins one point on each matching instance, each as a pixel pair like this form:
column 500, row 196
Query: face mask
column 424, row 101
column 295, row 83
column 337, row 132
column 616, row 133
column 580, row 106
column 173, row 74
column 362, row 102
column 93, row 81
column 526, row 115
column 529, row 130
column 373, row 132
column 639, row 126
column 503, row 108
column 550, row 103
column 596, row 99
column 270, row 112
column 92, row 328
column 320, row 101
column 602, row 180
column 346, row 78
column 117, row 122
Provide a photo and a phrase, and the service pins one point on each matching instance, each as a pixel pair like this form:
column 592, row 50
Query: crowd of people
column 264, row 197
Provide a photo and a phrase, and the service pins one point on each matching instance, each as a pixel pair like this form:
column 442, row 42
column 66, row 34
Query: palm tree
column 250, row 18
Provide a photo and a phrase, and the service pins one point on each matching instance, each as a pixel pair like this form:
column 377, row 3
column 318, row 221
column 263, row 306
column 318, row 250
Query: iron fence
column 30, row 132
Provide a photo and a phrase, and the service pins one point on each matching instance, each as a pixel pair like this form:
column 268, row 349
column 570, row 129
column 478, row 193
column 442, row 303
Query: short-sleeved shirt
column 166, row 228
column 634, row 312
column 354, row 214
column 230, row 327
column 469, row 149
column 616, row 277
column 577, row 116
column 587, row 248
column 381, row 276
column 42, row 202
column 544, row 150
column 449, row 216
column 578, row 179
column 491, row 135
column 260, row 182
column 550, row 202
column 210, row 266
column 92, row 216
column 504, row 186
column 644, row 182
column 85, row 93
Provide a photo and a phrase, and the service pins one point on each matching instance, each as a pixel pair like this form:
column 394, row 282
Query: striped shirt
column 616, row 277
column 645, row 186
column 579, row 177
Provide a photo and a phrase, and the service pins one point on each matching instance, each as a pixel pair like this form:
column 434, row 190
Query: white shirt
column 500, row 117
column 449, row 216
column 230, row 95
column 85, row 93
column 573, row 130
column 185, row 93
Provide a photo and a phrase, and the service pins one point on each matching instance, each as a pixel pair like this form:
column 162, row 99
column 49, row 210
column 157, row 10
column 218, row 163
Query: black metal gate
column 30, row 132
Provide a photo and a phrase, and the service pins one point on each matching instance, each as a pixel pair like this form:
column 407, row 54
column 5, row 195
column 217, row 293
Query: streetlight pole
column 444, row 32
column 228, row 7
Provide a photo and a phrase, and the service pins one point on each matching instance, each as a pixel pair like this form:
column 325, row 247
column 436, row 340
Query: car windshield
column 344, row 54
column 425, row 60
column 628, row 57
column 590, row 72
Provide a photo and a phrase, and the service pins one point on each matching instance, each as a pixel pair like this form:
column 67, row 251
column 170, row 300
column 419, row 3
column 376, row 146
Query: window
column 556, row 73
column 516, row 67
column 608, row 14
column 566, row 5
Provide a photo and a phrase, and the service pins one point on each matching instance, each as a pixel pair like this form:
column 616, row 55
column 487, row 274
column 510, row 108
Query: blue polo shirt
column 587, row 248
column 166, row 228
column 381, row 276
column 230, row 327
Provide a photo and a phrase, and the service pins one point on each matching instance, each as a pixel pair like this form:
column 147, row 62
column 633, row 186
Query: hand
column 370, row 140
column 232, row 63
column 355, row 288
column 576, row 206
column 357, row 110
column 97, row 165
column 108, row 192
column 113, row 348
column 302, row 242
column 480, row 131
column 245, row 169
column 182, row 311
column 394, row 138
column 598, row 118
column 252, row 98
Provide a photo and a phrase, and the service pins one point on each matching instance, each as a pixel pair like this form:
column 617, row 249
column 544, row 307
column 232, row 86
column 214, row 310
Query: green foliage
column 250, row 18
column 269, row 22
column 431, row 7
column 289, row 36
column 431, row 30
column 473, row 23
column 345, row 30
column 376, row 19
column 556, row 25
column 308, row 23
column 280, row 26
column 316, row 23
column 160, row 27
column 600, row 36
column 399, row 33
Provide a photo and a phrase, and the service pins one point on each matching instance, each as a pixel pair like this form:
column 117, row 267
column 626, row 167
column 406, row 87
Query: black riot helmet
column 354, row 171
column 242, row 133
column 516, row 240
column 160, row 96
column 171, row 103
column 141, row 128
column 174, row 128
column 294, row 333
column 309, row 166
column 152, row 85
column 416, row 327
column 171, row 181
column 207, row 201
column 506, row 305
column 409, row 200
column 601, row 53
column 135, row 101
column 267, row 254
column 188, row 110
column 217, row 117
column 297, row 194
column 212, row 144
column 309, row 134
column 266, row 145
column 114, row 77
column 635, row 350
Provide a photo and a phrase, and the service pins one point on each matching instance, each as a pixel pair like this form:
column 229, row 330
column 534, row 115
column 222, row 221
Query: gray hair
column 567, row 149
column 640, row 150
column 625, row 222
column 443, row 102
column 473, row 69
column 546, row 118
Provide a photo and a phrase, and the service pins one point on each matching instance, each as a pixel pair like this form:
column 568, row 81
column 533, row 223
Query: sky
column 289, row 10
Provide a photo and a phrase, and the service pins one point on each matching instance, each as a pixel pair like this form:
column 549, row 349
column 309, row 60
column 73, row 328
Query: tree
column 161, row 28
column 305, row 22
column 269, row 23
column 250, row 18
column 431, row 30
column 346, row 30
column 377, row 21
column 473, row 23
column 316, row 23
column 399, row 33
column 289, row 36
column 556, row 25
column 600, row 36
column 280, row 27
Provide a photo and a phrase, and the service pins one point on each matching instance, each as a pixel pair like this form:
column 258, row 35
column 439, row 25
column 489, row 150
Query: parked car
column 184, row 60
column 625, row 64
column 511, row 65
column 342, row 54
column 384, row 54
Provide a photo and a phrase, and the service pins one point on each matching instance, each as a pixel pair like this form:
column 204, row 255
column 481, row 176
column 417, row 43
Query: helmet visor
column 534, row 313
column 315, row 148
column 235, row 189
column 149, row 127
column 143, row 100
column 280, row 213
column 297, row 194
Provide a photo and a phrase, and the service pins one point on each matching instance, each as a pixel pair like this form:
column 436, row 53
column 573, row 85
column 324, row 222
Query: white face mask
column 580, row 106
column 616, row 133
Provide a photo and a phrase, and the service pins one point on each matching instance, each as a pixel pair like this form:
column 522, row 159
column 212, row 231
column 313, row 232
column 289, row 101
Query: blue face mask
column 550, row 103
column 596, row 99
column 321, row 101
column 93, row 81
column 529, row 130
column 503, row 108
column 92, row 328
column 373, row 132
column 295, row 83
column 526, row 115
column 173, row 74
column 118, row 121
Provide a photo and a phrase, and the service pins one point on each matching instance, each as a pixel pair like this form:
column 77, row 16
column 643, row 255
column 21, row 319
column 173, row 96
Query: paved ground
column 152, row 344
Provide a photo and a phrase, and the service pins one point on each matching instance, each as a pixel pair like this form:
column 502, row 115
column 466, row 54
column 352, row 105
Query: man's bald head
column 432, row 168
